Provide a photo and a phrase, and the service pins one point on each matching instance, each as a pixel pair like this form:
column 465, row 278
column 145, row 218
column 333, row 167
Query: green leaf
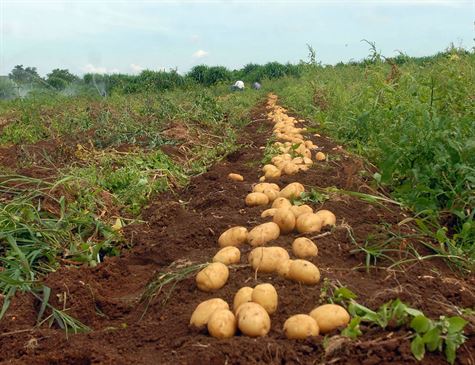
column 44, row 303
column 450, row 351
column 353, row 328
column 417, row 347
column 432, row 339
column 413, row 312
column 456, row 324
column 344, row 293
column 420, row 324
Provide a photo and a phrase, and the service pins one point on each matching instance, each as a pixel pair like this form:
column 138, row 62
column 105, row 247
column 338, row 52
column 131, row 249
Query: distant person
column 256, row 86
column 238, row 86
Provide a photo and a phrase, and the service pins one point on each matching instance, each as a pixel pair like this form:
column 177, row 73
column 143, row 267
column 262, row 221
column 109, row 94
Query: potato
column 308, row 222
column 204, row 310
column 243, row 295
column 212, row 277
column 290, row 168
column 292, row 190
column 272, row 194
column 303, row 247
column 235, row 177
column 266, row 296
column 307, row 161
column 320, row 156
column 304, row 272
column 272, row 173
column 327, row 217
column 262, row 179
column 234, row 236
column 281, row 203
column 253, row 320
column 300, row 326
column 268, row 167
column 259, row 188
column 254, row 199
column 330, row 317
column 298, row 210
column 222, row 324
column 267, row 259
column 309, row 144
column 298, row 160
column 228, row 255
column 284, row 268
column 285, row 219
column 268, row 213
column 263, row 233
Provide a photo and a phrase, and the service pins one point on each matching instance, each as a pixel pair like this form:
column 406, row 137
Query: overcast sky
column 128, row 36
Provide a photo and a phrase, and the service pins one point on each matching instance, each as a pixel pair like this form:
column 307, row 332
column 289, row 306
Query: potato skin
column 330, row 317
column 253, row 320
column 272, row 194
column 228, row 255
column 204, row 310
column 327, row 217
column 234, row 236
column 235, row 177
column 268, row 212
column 266, row 296
column 304, row 272
column 243, row 295
column 303, row 247
column 298, row 210
column 284, row 268
column 222, row 324
column 292, row 190
column 272, row 172
column 267, row 259
column 285, row 219
column 300, row 326
column 259, row 188
column 308, row 222
column 212, row 277
column 263, row 233
column 255, row 199
column 290, row 168
column 320, row 156
column 281, row 203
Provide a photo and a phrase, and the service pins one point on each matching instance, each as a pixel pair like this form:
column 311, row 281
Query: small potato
column 267, row 259
column 212, row 277
column 263, row 233
column 253, row 320
column 228, row 255
column 272, row 194
column 298, row 160
column 254, row 199
column 284, row 268
column 308, row 222
column 320, row 156
column 259, row 188
column 281, row 203
column 298, row 210
column 204, row 310
column 243, row 295
column 268, row 213
column 290, row 168
column 266, row 296
column 222, row 324
column 262, row 179
column 330, row 317
column 285, row 219
column 327, row 217
column 303, row 247
column 271, row 172
column 304, row 272
column 234, row 236
column 235, row 177
column 292, row 190
column 300, row 326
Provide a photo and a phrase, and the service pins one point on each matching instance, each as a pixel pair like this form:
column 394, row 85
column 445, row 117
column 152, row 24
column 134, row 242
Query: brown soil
column 185, row 226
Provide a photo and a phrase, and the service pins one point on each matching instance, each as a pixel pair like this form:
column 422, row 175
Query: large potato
column 292, row 190
column 284, row 268
column 272, row 172
column 308, row 222
column 327, row 217
column 235, row 177
column 204, row 310
column 263, row 233
column 228, row 255
column 281, row 203
column 259, row 188
column 300, row 326
column 303, row 247
column 212, row 277
column 272, row 194
column 255, row 199
column 234, row 236
column 298, row 210
column 253, row 320
column 267, row 259
column 243, row 295
column 304, row 272
column 266, row 296
column 222, row 324
column 330, row 317
column 268, row 212
column 285, row 219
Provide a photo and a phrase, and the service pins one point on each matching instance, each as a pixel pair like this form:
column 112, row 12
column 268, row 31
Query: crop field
column 326, row 218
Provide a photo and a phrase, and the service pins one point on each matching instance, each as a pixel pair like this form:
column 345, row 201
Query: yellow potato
column 266, row 296
column 307, row 161
column 268, row 213
column 263, row 233
column 330, row 317
column 272, row 194
column 271, row 172
column 259, row 188
column 204, row 310
column 285, row 219
column 327, row 217
column 254, row 199
column 228, row 255
column 243, row 295
column 235, row 177
column 298, row 160
column 298, row 210
column 300, row 326
column 268, row 167
column 267, row 259
column 262, row 179
column 234, row 236
column 253, row 320
column 303, row 247
column 281, row 203
column 284, row 268
column 222, row 324
column 290, row 168
column 212, row 277
column 308, row 222
column 304, row 272
column 292, row 190
column 320, row 156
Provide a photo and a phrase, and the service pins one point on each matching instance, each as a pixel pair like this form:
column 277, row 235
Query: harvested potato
column 266, row 296
column 222, row 324
column 234, row 236
column 243, row 295
column 262, row 179
column 290, row 168
column 267, row 259
column 253, row 320
column 228, row 255
column 259, row 188
column 285, row 219
column 272, row 173
column 292, row 190
column 304, row 272
column 235, row 177
column 268, row 213
column 281, row 203
column 254, row 199
column 327, row 217
column 284, row 268
column 308, row 222
column 272, row 194
column 300, row 326
column 212, row 277
column 303, row 247
column 263, row 233
column 320, row 156
column 307, row 161
column 204, row 310
column 330, row 317
column 298, row 210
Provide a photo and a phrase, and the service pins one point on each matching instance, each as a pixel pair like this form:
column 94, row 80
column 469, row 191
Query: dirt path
column 185, row 227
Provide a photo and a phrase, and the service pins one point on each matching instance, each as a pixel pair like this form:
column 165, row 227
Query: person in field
column 256, row 86
column 238, row 86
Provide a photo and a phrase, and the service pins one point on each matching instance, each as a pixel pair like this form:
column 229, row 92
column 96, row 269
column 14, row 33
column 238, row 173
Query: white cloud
column 200, row 54
column 136, row 69
column 90, row 68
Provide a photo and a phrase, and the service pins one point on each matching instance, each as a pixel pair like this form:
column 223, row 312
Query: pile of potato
column 253, row 307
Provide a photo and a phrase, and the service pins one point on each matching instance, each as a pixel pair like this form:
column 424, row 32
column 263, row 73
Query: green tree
column 60, row 78
column 24, row 75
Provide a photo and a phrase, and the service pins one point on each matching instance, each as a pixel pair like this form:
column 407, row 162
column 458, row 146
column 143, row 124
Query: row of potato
column 252, row 307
